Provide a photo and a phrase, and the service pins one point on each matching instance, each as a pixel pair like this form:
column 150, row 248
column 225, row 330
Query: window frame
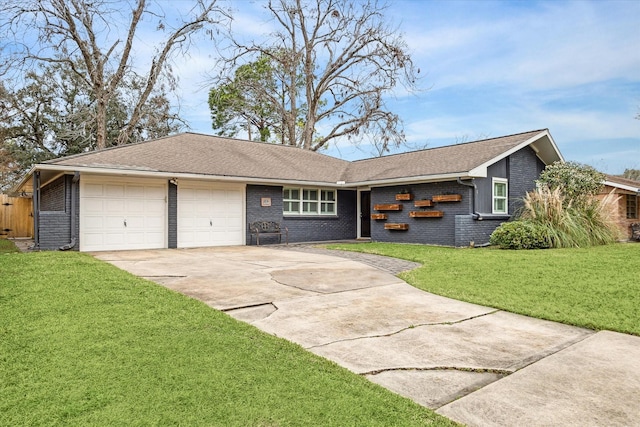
column 632, row 206
column 304, row 201
column 494, row 197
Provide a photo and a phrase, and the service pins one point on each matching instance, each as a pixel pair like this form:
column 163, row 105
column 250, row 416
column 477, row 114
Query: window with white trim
column 500, row 196
column 308, row 201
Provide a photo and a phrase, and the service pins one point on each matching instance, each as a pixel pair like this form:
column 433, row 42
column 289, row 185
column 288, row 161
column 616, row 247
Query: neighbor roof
column 622, row 183
column 197, row 155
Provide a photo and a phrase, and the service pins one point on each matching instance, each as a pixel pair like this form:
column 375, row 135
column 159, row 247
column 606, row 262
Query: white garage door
column 118, row 214
column 210, row 214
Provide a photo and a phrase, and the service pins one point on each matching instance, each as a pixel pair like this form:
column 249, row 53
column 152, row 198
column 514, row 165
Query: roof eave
column 622, row 186
column 388, row 182
column 183, row 175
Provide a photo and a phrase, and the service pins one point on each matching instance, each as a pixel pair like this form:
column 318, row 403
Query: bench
column 635, row 231
column 261, row 228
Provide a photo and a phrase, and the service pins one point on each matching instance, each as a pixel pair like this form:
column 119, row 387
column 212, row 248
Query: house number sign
column 265, row 201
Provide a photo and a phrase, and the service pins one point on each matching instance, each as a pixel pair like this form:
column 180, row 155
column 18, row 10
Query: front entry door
column 365, row 214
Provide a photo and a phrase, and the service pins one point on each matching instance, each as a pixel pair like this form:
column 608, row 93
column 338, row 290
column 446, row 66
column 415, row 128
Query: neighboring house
column 193, row 190
column 628, row 192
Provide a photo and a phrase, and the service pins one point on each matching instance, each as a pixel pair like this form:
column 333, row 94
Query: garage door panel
column 94, row 190
column 93, row 205
column 114, row 205
column 211, row 216
column 122, row 215
column 111, row 190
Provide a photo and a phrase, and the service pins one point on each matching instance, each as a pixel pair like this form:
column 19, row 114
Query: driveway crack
column 442, row 368
column 466, row 319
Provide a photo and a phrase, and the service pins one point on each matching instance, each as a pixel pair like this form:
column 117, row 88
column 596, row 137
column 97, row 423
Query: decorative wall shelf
column 447, row 198
column 396, row 226
column 426, row 214
column 422, row 203
column 388, row 207
column 404, row 196
column 379, row 216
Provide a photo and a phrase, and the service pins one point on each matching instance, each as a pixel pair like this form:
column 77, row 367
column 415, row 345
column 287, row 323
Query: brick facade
column 55, row 214
column 433, row 231
column 301, row 228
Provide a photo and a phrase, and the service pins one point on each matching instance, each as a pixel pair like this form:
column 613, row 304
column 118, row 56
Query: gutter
column 74, row 237
column 475, row 215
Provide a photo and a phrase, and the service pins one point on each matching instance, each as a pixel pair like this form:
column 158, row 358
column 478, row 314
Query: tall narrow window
column 632, row 206
column 500, row 196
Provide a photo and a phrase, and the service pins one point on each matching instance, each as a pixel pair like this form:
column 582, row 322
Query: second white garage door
column 210, row 214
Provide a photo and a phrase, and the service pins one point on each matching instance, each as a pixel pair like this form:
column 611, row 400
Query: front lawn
column 597, row 287
column 83, row 343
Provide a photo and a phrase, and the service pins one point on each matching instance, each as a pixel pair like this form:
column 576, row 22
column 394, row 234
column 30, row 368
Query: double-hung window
column 308, row 201
column 500, row 196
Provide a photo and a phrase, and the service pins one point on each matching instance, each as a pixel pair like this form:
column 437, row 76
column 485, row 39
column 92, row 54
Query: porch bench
column 635, row 231
column 261, row 228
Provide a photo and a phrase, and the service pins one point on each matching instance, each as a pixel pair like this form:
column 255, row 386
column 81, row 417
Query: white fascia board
column 191, row 176
column 622, row 186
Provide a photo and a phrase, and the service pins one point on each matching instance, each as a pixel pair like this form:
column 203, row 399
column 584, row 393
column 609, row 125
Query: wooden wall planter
column 426, row 214
column 396, row 227
column 379, row 216
column 388, row 207
column 422, row 203
column 404, row 196
column 447, row 198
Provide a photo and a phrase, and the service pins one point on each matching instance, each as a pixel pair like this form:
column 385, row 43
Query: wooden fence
column 16, row 217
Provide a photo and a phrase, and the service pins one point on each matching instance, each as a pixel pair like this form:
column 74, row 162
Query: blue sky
column 498, row 68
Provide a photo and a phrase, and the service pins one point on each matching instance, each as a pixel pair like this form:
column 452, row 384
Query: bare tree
column 80, row 32
column 336, row 61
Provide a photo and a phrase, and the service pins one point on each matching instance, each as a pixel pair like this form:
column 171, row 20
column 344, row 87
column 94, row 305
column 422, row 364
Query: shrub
column 520, row 235
column 567, row 224
column 577, row 182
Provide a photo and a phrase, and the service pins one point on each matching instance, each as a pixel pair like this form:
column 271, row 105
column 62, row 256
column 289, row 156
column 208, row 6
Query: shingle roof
column 191, row 153
column 451, row 159
column 623, row 181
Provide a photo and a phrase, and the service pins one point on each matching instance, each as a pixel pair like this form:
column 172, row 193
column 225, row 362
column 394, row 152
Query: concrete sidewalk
column 473, row 364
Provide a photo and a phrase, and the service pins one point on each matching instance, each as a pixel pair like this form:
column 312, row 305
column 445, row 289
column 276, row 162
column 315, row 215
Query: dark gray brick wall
column 484, row 203
column 524, row 169
column 303, row 228
column 52, row 197
column 172, row 216
column 470, row 230
column 434, row 231
column 55, row 226
column 55, row 230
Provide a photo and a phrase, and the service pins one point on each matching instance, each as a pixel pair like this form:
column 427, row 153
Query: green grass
column 83, row 343
column 597, row 287
column 7, row 247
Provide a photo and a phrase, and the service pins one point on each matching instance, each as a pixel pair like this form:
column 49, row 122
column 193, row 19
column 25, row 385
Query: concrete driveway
column 476, row 365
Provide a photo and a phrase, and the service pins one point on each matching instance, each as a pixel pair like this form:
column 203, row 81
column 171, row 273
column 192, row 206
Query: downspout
column 74, row 237
column 475, row 215
column 36, row 210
